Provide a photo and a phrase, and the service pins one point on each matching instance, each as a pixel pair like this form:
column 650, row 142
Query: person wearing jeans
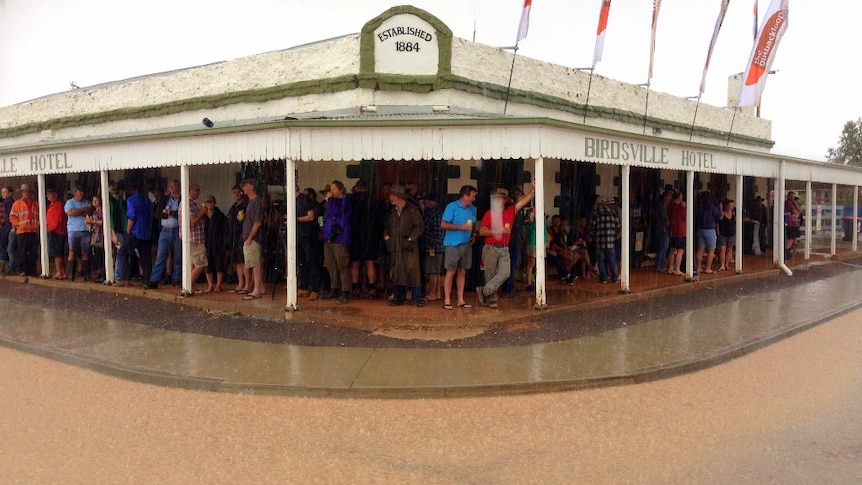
column 605, row 227
column 137, row 237
column 496, row 228
column 169, row 237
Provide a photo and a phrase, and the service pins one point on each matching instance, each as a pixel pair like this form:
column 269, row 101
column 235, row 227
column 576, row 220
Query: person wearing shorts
column 77, row 208
column 706, row 233
column 458, row 221
column 726, row 235
column 56, row 225
column 197, row 234
column 792, row 211
column 432, row 246
column 676, row 215
column 253, row 237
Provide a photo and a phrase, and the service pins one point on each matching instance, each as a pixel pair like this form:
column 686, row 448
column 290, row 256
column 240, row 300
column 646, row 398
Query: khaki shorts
column 199, row 255
column 252, row 253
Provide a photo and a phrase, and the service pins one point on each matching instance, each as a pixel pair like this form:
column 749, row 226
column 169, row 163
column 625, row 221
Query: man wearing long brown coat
column 403, row 229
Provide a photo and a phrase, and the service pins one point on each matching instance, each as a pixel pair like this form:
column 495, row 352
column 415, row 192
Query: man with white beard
column 496, row 228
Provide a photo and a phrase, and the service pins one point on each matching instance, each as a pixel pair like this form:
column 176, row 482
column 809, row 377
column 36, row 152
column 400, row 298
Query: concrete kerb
column 114, row 369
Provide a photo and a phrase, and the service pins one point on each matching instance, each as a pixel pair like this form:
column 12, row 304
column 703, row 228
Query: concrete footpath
column 699, row 337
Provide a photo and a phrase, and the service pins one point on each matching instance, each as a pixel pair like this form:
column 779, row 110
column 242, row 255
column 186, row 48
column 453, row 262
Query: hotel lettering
column 624, row 151
column 8, row 165
column 49, row 162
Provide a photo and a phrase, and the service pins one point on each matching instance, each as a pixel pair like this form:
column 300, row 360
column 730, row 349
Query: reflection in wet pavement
column 629, row 352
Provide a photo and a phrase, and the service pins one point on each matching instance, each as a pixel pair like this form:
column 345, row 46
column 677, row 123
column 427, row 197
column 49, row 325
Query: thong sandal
column 250, row 296
column 447, row 306
column 465, row 305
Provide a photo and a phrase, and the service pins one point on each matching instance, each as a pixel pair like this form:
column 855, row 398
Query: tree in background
column 849, row 150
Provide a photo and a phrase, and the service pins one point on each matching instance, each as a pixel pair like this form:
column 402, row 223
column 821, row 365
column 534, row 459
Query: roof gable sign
column 404, row 45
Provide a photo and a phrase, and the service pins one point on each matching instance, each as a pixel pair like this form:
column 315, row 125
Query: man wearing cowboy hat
column 25, row 222
column 496, row 228
column 404, row 226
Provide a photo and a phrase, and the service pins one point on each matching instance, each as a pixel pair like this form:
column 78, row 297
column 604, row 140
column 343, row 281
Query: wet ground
column 576, row 322
column 789, row 413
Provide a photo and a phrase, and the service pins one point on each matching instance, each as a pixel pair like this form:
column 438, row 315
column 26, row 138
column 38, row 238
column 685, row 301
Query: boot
column 85, row 268
column 70, row 270
column 313, row 296
column 342, row 298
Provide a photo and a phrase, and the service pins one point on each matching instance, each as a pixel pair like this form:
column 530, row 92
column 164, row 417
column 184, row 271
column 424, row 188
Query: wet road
column 789, row 413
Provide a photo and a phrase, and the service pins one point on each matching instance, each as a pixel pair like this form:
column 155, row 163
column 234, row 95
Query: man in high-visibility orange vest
column 25, row 222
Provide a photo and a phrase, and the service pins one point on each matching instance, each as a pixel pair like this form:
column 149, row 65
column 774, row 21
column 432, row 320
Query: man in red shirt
column 496, row 228
column 55, row 220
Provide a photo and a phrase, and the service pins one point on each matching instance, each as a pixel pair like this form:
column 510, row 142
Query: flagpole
column 729, row 133
column 511, row 73
column 474, row 21
column 523, row 27
column 604, row 13
column 646, row 107
column 694, row 120
column 589, row 87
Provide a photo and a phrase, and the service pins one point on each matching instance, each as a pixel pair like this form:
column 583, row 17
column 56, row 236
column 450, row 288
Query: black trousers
column 28, row 252
column 309, row 255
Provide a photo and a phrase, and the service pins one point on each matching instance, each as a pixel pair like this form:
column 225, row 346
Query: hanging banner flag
column 718, row 22
column 763, row 53
column 600, row 32
column 524, row 26
column 755, row 20
column 655, row 6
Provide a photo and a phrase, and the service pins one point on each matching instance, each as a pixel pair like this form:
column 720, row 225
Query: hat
column 210, row 199
column 398, row 191
column 500, row 192
column 25, row 187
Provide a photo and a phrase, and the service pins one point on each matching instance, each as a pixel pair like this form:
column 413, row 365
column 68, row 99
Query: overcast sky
column 46, row 44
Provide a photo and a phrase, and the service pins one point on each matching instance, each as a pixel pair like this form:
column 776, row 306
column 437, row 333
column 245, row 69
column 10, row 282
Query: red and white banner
column 718, row 22
column 600, row 32
column 756, row 18
column 655, row 7
column 524, row 26
column 763, row 53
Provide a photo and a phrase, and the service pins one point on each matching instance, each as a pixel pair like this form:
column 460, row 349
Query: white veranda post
column 541, row 293
column 185, row 230
column 290, row 205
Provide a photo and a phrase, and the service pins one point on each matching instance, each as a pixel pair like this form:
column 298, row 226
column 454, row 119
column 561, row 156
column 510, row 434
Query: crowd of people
column 351, row 244
column 143, row 227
